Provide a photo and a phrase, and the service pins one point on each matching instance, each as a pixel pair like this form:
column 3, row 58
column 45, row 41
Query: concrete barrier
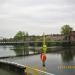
column 11, row 66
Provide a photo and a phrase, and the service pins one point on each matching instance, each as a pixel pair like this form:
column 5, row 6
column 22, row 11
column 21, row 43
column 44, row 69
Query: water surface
column 56, row 56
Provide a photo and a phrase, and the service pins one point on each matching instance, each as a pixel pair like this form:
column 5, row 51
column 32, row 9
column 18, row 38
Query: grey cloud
column 40, row 15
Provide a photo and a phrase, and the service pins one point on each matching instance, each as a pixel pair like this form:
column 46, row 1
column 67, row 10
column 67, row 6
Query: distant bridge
column 29, row 42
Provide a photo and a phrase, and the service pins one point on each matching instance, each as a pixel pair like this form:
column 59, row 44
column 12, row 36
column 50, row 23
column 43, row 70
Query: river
column 57, row 57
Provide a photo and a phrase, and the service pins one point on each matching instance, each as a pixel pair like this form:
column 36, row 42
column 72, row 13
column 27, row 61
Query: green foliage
column 20, row 35
column 66, row 29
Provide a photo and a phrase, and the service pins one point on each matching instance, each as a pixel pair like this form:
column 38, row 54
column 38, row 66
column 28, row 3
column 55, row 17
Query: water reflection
column 17, row 50
column 6, row 72
column 56, row 56
column 21, row 50
column 25, row 50
column 68, row 54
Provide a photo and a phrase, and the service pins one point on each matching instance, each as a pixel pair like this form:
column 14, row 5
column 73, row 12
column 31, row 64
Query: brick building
column 72, row 36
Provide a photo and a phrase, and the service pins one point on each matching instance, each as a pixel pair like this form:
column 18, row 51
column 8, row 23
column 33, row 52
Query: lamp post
column 43, row 53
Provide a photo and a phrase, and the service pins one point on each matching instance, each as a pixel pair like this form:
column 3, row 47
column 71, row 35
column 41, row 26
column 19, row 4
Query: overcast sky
column 35, row 16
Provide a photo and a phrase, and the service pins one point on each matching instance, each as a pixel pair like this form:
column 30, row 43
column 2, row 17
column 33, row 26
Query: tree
column 65, row 30
column 26, row 34
column 20, row 35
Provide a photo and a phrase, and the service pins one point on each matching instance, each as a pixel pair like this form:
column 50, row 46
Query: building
column 55, row 37
column 72, row 36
